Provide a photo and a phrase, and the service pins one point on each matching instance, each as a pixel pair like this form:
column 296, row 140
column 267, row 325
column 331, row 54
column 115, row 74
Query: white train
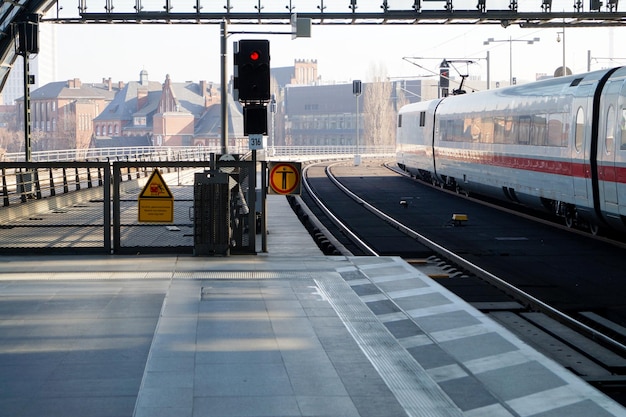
column 557, row 144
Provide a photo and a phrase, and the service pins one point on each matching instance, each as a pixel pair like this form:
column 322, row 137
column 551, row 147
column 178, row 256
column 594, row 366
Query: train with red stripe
column 557, row 144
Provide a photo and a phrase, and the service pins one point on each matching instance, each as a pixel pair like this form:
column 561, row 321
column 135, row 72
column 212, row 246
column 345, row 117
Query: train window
column 399, row 120
column 556, row 132
column 579, row 130
column 622, row 125
column 523, row 131
column 504, row 129
column 609, row 140
column 422, row 118
column 538, row 130
column 575, row 82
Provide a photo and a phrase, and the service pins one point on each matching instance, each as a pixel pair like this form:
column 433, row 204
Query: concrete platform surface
column 285, row 333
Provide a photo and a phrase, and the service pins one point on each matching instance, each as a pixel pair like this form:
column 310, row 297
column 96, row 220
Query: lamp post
column 558, row 39
column 510, row 41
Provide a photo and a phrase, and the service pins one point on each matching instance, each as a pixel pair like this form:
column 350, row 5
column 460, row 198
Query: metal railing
column 20, row 181
column 82, row 205
column 111, row 154
column 179, row 153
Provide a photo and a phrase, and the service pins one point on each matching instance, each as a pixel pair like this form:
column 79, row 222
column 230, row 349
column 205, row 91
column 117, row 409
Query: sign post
column 356, row 90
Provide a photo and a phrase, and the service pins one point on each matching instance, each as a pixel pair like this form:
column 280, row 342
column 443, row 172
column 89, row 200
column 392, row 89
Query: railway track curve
column 370, row 210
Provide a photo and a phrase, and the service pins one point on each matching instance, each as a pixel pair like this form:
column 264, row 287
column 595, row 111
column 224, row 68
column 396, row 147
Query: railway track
column 371, row 211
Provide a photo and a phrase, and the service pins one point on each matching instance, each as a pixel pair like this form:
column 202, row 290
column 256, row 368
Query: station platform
column 290, row 332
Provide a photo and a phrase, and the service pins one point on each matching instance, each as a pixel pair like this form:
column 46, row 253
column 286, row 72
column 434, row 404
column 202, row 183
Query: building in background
column 150, row 113
column 326, row 115
column 303, row 72
column 62, row 113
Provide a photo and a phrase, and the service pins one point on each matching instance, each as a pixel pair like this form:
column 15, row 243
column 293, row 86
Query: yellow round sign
column 284, row 178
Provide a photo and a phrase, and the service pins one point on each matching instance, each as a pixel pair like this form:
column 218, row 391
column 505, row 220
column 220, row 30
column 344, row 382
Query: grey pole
column 224, row 92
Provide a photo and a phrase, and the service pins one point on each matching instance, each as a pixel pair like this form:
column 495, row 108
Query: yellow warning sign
column 156, row 210
column 284, row 178
column 156, row 202
column 156, row 187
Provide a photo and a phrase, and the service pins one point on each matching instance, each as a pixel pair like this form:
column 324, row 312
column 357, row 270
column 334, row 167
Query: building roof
column 210, row 125
column 62, row 90
column 283, row 75
column 124, row 105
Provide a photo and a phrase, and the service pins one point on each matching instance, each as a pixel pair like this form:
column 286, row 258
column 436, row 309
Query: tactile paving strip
column 394, row 364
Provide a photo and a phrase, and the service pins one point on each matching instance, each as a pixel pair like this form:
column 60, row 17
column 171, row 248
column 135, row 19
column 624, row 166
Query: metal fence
column 92, row 206
column 62, row 205
column 181, row 235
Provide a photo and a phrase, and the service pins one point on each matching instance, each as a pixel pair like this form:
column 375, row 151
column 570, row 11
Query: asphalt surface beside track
column 566, row 270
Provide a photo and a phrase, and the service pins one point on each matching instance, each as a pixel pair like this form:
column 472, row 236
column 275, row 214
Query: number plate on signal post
column 256, row 142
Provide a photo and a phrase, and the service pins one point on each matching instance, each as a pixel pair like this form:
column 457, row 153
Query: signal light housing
column 253, row 67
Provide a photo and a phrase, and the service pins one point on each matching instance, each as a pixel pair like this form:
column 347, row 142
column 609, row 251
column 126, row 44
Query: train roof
column 536, row 94
column 544, row 91
column 421, row 106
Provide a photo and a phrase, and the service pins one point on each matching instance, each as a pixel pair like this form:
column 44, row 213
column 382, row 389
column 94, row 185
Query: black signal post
column 252, row 89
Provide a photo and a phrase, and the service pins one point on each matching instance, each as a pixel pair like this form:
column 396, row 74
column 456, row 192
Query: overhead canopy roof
column 536, row 13
column 12, row 11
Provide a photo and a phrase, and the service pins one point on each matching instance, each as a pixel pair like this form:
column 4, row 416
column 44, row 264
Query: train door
column 581, row 136
column 606, row 147
column 610, row 133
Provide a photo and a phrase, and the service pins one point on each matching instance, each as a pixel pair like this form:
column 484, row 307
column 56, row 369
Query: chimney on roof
column 206, row 95
column 108, row 83
column 120, row 85
column 74, row 83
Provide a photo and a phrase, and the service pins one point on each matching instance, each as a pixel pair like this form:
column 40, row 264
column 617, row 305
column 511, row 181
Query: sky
column 343, row 53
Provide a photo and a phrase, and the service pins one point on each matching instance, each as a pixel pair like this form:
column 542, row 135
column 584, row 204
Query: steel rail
column 524, row 297
column 345, row 229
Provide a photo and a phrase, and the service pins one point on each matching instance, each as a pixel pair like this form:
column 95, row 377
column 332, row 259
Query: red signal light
column 254, row 55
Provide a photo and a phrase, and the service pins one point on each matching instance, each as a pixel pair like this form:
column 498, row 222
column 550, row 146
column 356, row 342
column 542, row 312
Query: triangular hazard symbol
column 156, row 187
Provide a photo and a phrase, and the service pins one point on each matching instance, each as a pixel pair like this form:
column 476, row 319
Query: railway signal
column 252, row 64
